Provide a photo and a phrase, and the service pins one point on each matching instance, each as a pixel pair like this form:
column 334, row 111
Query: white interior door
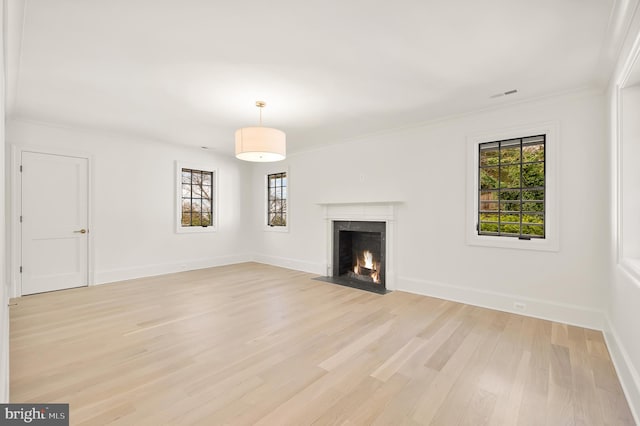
column 54, row 222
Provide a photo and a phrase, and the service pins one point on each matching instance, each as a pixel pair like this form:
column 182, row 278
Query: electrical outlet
column 519, row 306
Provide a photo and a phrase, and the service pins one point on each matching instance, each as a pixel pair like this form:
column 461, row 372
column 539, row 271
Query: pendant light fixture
column 260, row 144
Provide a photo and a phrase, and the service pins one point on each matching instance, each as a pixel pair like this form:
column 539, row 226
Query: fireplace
column 371, row 222
column 359, row 254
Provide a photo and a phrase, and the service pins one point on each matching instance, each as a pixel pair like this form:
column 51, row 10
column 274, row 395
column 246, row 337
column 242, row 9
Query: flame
column 368, row 259
column 368, row 264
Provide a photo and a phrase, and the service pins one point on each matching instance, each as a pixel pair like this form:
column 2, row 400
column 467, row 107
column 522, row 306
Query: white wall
column 133, row 202
column 623, row 311
column 425, row 167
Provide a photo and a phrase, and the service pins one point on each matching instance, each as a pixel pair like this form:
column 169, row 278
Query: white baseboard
column 104, row 277
column 627, row 373
column 298, row 265
column 543, row 309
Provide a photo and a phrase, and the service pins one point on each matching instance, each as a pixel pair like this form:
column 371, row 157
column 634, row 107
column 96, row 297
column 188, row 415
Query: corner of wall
column 628, row 375
column 288, row 263
column 621, row 317
column 4, row 293
column 122, row 274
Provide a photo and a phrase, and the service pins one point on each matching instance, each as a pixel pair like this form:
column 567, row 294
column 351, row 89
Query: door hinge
column 20, row 168
column 20, row 218
column 21, row 269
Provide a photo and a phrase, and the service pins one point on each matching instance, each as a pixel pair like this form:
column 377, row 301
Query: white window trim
column 178, row 196
column 265, row 209
column 551, row 242
column 629, row 264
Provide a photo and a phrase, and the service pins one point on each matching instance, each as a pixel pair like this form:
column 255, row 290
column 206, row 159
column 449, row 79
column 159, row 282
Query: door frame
column 16, row 206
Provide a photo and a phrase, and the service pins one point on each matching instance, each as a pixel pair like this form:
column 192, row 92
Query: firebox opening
column 359, row 253
column 360, row 256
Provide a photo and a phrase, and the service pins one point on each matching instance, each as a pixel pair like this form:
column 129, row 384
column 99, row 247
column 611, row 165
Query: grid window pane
column 510, row 154
column 186, row 190
column 533, row 206
column 533, row 152
column 510, row 206
column 489, row 155
column 277, row 199
column 533, row 230
column 488, row 206
column 197, row 198
column 489, row 228
column 205, row 191
column 507, row 195
column 533, row 195
column 510, row 228
column 511, row 175
column 206, row 219
column 489, row 178
column 533, row 175
column 533, row 218
column 510, row 217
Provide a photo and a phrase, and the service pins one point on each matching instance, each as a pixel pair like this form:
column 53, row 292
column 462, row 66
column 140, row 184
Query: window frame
column 178, row 198
column 265, row 211
column 626, row 201
column 551, row 241
column 510, row 144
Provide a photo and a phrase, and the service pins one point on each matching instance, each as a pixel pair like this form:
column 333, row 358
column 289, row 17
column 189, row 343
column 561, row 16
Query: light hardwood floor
column 254, row 344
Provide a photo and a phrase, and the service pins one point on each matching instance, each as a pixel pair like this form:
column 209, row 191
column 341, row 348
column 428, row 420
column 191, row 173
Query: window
column 277, row 200
column 196, row 199
column 512, row 188
column 628, row 151
column 511, row 193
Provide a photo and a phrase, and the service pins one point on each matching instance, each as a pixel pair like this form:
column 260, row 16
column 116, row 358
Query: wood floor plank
column 254, row 344
column 397, row 360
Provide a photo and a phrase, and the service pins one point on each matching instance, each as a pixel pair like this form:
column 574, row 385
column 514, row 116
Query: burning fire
column 368, row 259
column 369, row 268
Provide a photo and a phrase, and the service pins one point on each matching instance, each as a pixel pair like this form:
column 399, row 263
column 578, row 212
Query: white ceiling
column 190, row 71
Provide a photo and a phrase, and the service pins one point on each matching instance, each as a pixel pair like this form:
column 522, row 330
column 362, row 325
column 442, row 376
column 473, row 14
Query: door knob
column 82, row 231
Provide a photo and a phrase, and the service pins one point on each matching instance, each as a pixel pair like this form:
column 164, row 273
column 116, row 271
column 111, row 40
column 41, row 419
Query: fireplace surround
column 357, row 214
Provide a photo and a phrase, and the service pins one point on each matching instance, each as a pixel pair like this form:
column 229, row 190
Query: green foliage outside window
column 512, row 187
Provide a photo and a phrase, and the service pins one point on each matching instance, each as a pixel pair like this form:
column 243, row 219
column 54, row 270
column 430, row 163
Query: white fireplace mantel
column 376, row 211
column 373, row 210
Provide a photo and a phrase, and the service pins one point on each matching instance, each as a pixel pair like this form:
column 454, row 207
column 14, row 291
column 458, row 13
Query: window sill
column 195, row 230
column 547, row 244
column 631, row 266
column 276, row 228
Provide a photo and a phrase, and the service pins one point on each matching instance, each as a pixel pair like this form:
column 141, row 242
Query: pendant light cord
column 260, row 104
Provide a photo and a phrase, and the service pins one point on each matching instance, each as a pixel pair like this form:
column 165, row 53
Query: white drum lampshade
column 261, row 144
